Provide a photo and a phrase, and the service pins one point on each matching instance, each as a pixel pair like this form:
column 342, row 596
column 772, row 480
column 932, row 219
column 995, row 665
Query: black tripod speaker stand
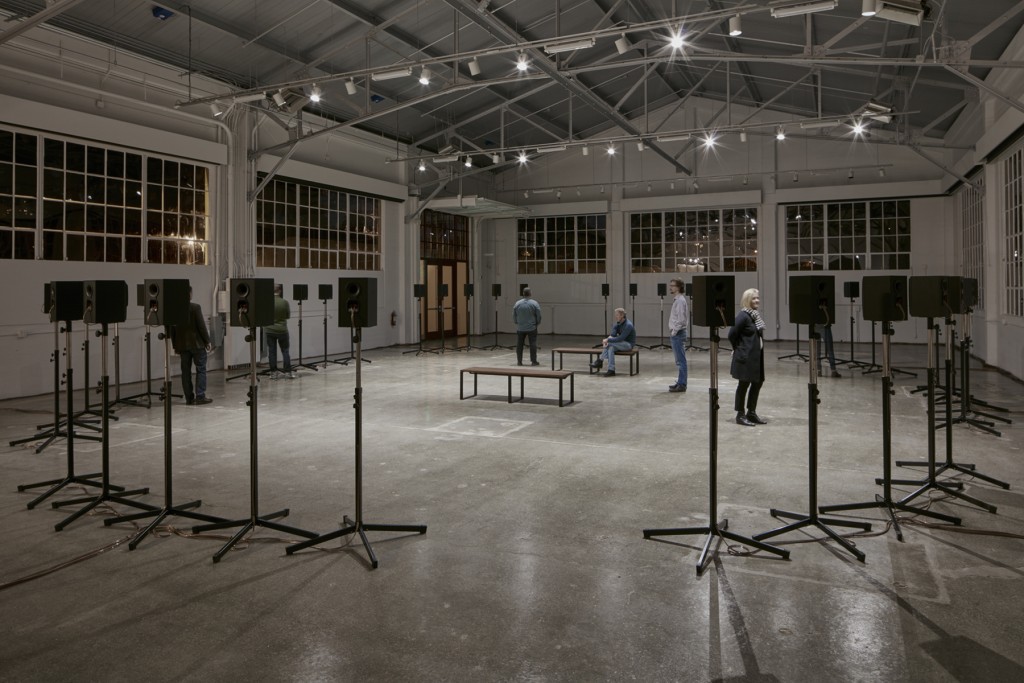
column 812, row 518
column 495, row 346
column 690, row 346
column 255, row 519
column 885, row 501
column 661, row 336
column 88, row 412
column 874, row 367
column 851, row 361
column 357, row 525
column 69, row 430
column 968, row 413
column 797, row 354
column 60, row 427
column 339, row 361
column 148, row 394
column 419, row 350
column 169, row 508
column 716, row 529
column 108, row 493
column 301, row 363
column 930, row 482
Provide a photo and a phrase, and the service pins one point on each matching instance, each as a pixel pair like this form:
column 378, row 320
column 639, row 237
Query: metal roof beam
column 38, row 18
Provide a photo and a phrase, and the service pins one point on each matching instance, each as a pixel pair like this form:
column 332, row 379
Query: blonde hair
column 748, row 296
column 622, row 311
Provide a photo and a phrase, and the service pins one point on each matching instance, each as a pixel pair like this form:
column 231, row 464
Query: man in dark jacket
column 277, row 334
column 191, row 341
column 622, row 338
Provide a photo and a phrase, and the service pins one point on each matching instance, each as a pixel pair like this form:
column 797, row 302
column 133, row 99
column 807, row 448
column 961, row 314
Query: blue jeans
column 187, row 358
column 679, row 351
column 609, row 353
column 520, row 340
column 272, row 341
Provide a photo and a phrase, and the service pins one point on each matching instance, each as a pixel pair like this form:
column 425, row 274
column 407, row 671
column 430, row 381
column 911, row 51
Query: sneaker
column 291, row 374
column 677, row 388
column 610, row 373
column 202, row 400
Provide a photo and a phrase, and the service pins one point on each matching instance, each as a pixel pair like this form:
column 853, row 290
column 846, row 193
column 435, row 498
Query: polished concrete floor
column 534, row 566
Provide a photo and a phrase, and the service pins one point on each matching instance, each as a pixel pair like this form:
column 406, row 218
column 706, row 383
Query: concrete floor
column 534, row 567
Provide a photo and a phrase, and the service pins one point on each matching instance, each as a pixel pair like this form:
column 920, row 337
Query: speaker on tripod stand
column 496, row 293
column 714, row 297
column 357, row 304
column 300, row 293
column 662, row 292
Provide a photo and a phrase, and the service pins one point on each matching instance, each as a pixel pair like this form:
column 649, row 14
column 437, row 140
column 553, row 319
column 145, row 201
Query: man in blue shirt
column 526, row 316
column 622, row 338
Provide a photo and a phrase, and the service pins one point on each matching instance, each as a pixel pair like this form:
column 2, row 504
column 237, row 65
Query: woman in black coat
column 746, row 337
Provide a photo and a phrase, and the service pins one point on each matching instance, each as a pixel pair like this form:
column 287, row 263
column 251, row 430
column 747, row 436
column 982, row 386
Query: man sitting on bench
column 622, row 338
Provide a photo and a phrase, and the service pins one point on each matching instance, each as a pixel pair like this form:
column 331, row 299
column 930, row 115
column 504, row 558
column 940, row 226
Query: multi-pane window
column 562, row 244
column 1013, row 232
column 99, row 203
column 848, row 236
column 971, row 203
column 18, row 190
column 444, row 236
column 708, row 240
column 305, row 225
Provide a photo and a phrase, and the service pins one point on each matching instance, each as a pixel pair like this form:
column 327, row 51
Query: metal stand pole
column 301, row 364
column 339, row 361
column 852, row 362
column 169, row 508
column 148, row 394
column 108, row 493
column 885, row 501
column 419, row 350
column 70, row 477
column 797, row 355
column 661, row 337
column 495, row 346
column 812, row 518
column 357, row 525
column 716, row 529
column 255, row 519
column 690, row 346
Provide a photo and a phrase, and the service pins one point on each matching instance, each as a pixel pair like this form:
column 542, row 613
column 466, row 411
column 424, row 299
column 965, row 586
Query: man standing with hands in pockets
column 678, row 320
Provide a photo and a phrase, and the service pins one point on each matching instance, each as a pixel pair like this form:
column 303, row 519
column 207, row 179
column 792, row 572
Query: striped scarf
column 756, row 317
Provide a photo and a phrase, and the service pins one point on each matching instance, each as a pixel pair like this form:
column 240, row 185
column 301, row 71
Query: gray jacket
column 526, row 315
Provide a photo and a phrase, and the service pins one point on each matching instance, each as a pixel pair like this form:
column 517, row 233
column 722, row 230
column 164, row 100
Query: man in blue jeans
column 678, row 320
column 526, row 316
column 622, row 338
column 191, row 342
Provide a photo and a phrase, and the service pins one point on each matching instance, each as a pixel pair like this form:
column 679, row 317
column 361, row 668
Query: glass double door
column 444, row 309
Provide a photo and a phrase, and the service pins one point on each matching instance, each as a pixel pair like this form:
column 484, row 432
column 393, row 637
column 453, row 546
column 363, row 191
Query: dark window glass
column 75, row 157
column 53, row 153
column 96, row 160
column 53, row 246
column 24, row 245
column 24, row 153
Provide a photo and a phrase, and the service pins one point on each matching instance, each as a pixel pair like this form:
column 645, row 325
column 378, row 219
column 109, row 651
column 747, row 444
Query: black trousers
column 520, row 338
column 749, row 399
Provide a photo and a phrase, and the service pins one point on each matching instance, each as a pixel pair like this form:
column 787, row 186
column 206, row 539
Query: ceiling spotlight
column 675, row 41
column 602, row 189
column 793, row 9
column 743, row 136
column 350, row 86
column 796, row 177
column 622, row 45
column 474, row 67
column 314, row 94
column 425, row 76
column 495, row 158
column 648, row 187
column 671, row 184
column 469, row 161
column 696, row 186
column 709, row 140
column 526, row 194
column 279, row 99
column 585, row 150
column 849, row 174
column 867, row 8
column 780, row 134
column 422, row 167
column 558, row 194
column 744, row 180
column 521, row 63
column 735, row 26
column 858, row 127
column 578, row 193
column 522, row 157
column 216, row 110
column 639, row 145
column 611, row 150
column 881, row 173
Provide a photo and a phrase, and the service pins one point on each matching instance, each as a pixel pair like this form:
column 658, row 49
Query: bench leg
column 522, row 383
column 462, row 376
column 572, row 388
column 561, row 381
column 510, row 388
column 552, row 359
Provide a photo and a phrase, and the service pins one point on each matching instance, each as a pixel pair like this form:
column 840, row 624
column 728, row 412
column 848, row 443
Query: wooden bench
column 592, row 353
column 522, row 374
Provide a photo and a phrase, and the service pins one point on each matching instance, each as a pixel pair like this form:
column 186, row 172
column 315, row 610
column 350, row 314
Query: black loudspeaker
column 358, row 295
column 851, row 290
column 300, row 292
column 419, row 291
column 442, row 290
column 935, row 296
column 467, row 289
column 166, row 302
column 688, row 289
column 104, row 301
column 713, row 300
column 812, row 299
column 65, row 301
column 495, row 290
column 885, row 298
column 632, row 289
column 662, row 289
column 325, row 293
column 969, row 292
column 605, row 289
column 252, row 302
